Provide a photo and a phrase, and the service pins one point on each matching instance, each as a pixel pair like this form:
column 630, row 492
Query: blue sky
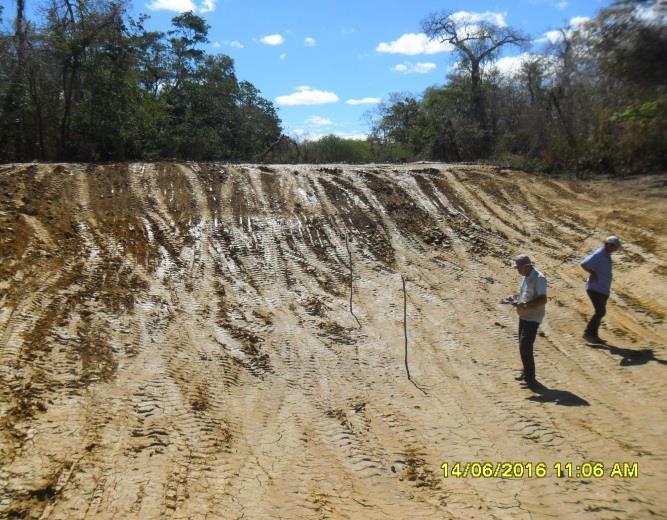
column 342, row 56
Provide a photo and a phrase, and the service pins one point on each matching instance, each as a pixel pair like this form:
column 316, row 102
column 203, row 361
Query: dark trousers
column 599, row 301
column 527, row 335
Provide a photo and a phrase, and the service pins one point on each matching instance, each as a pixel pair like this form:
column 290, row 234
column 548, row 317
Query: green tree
column 333, row 149
column 402, row 126
column 257, row 122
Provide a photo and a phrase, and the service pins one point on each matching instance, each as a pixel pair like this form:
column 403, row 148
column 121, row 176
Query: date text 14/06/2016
column 539, row 470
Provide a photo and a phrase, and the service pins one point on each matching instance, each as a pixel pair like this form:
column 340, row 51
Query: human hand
column 594, row 276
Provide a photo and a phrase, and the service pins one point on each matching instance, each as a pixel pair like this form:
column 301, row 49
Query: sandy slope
column 176, row 342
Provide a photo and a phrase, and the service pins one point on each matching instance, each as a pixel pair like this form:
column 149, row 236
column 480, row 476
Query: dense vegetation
column 595, row 99
column 90, row 83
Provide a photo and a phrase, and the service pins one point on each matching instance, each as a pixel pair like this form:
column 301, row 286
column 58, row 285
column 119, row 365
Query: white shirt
column 532, row 285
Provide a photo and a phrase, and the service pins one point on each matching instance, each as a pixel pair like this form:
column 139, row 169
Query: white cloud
column 235, row 44
column 178, row 6
column 364, row 101
column 413, row 44
column 305, row 95
column 655, row 13
column 283, row 56
column 272, row 39
column 469, row 17
column 298, row 133
column 414, row 68
column 309, row 41
column 181, row 6
column 357, row 136
column 208, row 6
column 511, row 65
column 320, row 121
column 557, row 35
column 578, row 20
column 301, row 134
column 551, row 37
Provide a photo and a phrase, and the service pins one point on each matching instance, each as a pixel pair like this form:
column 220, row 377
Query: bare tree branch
column 475, row 43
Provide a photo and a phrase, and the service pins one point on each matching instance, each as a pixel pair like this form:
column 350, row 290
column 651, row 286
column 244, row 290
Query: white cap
column 613, row 240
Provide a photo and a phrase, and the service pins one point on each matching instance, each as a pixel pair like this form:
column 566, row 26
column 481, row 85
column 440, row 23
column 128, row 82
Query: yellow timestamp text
column 518, row 470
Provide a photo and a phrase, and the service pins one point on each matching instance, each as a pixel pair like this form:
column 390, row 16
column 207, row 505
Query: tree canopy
column 89, row 83
column 594, row 99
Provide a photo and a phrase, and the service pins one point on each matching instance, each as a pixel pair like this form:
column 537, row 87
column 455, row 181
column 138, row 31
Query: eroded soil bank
column 176, row 342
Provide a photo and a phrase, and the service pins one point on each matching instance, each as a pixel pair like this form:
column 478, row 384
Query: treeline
column 88, row 83
column 595, row 99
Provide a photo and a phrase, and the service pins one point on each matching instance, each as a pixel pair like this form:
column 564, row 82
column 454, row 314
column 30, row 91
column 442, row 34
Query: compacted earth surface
column 176, row 341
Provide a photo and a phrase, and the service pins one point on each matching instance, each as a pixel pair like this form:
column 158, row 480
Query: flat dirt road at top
column 176, row 342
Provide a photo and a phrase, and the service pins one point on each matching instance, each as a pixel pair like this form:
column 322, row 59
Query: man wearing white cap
column 598, row 285
column 530, row 304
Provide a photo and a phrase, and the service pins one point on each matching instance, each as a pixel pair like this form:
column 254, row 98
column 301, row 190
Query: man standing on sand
column 598, row 285
column 530, row 304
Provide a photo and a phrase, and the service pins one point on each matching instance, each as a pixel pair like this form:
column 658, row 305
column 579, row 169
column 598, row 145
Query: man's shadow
column 630, row 357
column 551, row 395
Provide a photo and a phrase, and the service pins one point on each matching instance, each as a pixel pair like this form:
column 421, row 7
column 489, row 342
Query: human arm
column 591, row 272
column 538, row 300
column 589, row 265
column 539, row 294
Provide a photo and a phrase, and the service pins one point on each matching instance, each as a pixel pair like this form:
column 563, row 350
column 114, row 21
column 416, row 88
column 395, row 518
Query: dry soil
column 176, row 342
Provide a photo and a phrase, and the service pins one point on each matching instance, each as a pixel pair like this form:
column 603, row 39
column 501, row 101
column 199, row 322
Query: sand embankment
column 176, row 342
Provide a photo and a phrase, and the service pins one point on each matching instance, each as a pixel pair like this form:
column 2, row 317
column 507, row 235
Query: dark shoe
column 532, row 384
column 520, row 377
